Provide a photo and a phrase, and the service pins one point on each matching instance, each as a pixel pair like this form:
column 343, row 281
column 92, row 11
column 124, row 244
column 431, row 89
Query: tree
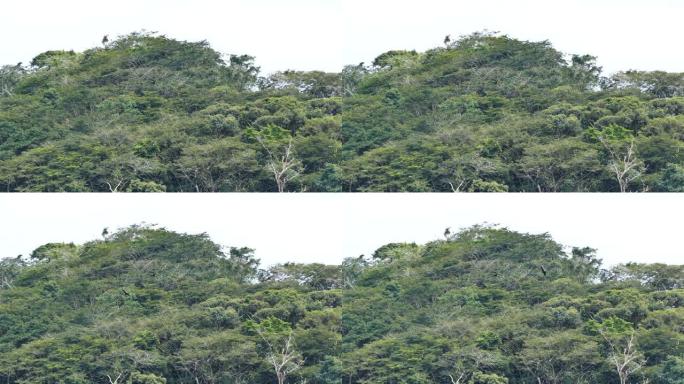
column 585, row 264
column 144, row 305
column 468, row 364
column 483, row 113
column 672, row 371
column 561, row 357
column 487, row 378
column 9, row 77
column 625, row 166
column 279, row 347
column 352, row 267
column 243, row 262
column 145, row 378
column 218, row 357
column 226, row 165
column 280, row 156
column 9, row 270
column 620, row 338
column 562, row 165
column 619, row 146
column 657, row 83
column 656, row 276
column 124, row 169
column 352, row 75
column 314, row 83
column 316, row 276
column 672, row 179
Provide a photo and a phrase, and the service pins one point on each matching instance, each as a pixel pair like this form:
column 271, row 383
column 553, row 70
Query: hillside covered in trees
column 484, row 306
column 485, row 112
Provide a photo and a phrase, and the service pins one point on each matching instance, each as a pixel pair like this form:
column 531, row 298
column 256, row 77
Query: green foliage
column 151, row 306
column 485, row 113
column 142, row 378
column 487, row 378
column 477, row 307
column 672, row 371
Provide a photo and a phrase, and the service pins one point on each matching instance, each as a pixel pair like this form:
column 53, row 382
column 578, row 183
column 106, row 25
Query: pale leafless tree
column 283, row 358
column 9, row 269
column 625, row 166
column 458, row 380
column 284, row 166
column 9, row 77
column 625, row 358
column 458, row 187
column 6, row 282
column 116, row 380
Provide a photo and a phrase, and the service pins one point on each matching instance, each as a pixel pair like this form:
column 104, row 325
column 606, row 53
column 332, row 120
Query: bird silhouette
column 447, row 232
column 105, row 232
column 447, row 39
column 105, row 40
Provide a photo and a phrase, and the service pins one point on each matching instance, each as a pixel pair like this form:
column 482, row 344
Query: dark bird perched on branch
column 447, row 233
column 105, row 40
column 447, row 39
column 105, row 232
column 543, row 270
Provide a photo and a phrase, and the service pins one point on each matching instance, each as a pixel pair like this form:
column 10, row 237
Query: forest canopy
column 484, row 305
column 485, row 112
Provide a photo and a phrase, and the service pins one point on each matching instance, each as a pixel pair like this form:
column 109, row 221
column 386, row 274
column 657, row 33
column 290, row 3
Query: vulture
column 105, row 232
column 447, row 232
column 447, row 39
column 105, row 40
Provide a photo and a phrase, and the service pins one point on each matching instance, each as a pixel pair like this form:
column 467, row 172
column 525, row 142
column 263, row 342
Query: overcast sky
column 326, row 228
column 327, row 34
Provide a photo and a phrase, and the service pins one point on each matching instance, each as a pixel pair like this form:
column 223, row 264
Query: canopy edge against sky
column 328, row 34
column 326, row 228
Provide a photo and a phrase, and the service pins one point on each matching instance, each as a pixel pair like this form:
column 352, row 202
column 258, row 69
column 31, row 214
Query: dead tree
column 625, row 358
column 116, row 380
column 283, row 358
column 625, row 166
column 284, row 167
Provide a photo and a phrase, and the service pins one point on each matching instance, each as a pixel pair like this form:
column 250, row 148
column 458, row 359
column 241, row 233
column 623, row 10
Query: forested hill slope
column 482, row 113
column 484, row 306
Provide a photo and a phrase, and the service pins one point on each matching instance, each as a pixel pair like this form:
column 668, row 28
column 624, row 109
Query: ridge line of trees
column 485, row 305
column 482, row 113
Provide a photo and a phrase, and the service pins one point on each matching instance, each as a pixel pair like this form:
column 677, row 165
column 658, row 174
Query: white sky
column 326, row 228
column 327, row 34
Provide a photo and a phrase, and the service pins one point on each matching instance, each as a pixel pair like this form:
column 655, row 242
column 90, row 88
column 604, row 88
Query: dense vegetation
column 484, row 306
column 482, row 113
